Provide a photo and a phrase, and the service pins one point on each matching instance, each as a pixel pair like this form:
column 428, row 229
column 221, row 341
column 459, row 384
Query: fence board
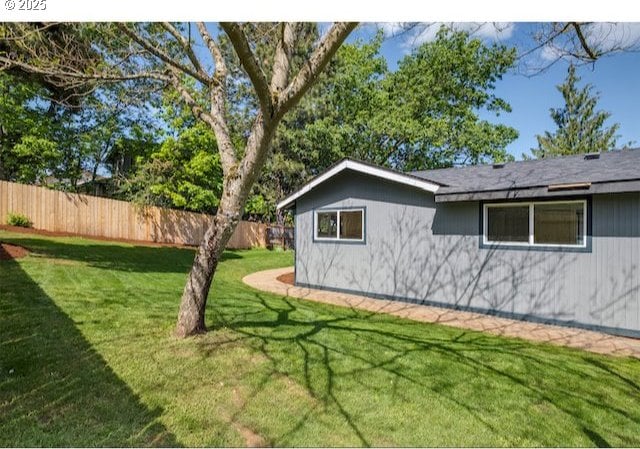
column 86, row 215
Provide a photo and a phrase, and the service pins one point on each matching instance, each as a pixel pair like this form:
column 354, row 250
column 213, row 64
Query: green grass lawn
column 87, row 359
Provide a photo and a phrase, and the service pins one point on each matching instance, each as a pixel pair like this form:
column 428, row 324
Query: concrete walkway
column 557, row 335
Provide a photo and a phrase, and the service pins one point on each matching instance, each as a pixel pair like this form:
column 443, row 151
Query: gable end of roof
column 361, row 167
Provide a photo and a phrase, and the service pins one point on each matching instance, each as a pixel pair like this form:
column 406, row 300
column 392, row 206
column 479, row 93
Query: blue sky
column 615, row 77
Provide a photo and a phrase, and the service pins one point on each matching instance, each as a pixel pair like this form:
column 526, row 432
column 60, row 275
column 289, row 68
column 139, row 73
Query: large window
column 550, row 223
column 341, row 224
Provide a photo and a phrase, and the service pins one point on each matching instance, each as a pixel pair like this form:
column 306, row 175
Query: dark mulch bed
column 287, row 278
column 10, row 252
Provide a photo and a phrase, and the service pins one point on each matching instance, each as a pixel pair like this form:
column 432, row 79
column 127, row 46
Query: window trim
column 338, row 211
column 531, row 243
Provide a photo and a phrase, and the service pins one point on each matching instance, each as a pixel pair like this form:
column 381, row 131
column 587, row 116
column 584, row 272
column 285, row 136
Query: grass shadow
column 354, row 363
column 55, row 389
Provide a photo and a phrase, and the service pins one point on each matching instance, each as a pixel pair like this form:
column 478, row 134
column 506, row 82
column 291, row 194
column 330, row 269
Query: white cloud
column 414, row 34
column 391, row 28
column 608, row 36
column 550, row 53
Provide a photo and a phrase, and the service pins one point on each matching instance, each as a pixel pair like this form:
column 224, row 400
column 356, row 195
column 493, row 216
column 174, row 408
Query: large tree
column 334, row 120
column 165, row 53
column 580, row 127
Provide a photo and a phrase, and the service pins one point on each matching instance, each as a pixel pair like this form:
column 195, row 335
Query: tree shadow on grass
column 55, row 389
column 110, row 256
column 403, row 367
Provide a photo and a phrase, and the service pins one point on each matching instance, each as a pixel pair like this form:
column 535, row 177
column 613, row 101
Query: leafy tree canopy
column 434, row 100
column 27, row 130
column 423, row 115
column 182, row 173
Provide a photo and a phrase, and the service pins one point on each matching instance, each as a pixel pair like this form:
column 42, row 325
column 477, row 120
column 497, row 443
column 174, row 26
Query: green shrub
column 18, row 220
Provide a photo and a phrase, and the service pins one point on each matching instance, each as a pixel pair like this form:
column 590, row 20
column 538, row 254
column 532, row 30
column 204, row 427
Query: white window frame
column 531, row 243
column 337, row 237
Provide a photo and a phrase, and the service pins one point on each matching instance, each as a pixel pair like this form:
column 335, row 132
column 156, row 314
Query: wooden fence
column 85, row 215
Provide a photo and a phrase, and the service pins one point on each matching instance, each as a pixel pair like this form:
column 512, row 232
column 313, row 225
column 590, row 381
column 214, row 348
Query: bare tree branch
column 263, row 130
column 148, row 46
column 197, row 110
column 546, row 41
column 580, row 42
column 218, row 94
column 316, row 63
column 583, row 42
column 250, row 64
column 216, row 54
column 188, row 49
column 69, row 75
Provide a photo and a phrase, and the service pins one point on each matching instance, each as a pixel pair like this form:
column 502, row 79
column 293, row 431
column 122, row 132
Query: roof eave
column 626, row 186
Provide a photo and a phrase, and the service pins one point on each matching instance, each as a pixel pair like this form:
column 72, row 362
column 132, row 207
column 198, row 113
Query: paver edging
column 563, row 336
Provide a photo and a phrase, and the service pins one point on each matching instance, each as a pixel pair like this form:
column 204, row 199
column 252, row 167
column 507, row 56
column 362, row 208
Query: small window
column 345, row 225
column 327, row 225
column 351, row 224
column 549, row 223
column 508, row 223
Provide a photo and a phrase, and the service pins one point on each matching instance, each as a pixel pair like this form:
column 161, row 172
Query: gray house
column 551, row 240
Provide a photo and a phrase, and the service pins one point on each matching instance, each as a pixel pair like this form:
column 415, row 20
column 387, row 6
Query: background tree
column 60, row 131
column 182, row 173
column 341, row 117
column 27, row 129
column 580, row 127
column 435, row 97
column 423, row 115
column 112, row 129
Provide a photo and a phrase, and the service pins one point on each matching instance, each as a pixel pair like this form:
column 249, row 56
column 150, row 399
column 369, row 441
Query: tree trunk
column 194, row 297
column 94, row 174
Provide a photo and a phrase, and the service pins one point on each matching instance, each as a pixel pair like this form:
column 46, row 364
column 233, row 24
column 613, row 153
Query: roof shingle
column 611, row 166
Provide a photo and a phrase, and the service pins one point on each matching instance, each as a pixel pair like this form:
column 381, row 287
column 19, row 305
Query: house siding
column 422, row 252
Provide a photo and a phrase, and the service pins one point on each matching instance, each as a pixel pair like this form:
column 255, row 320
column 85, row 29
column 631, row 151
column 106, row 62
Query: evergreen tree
column 581, row 128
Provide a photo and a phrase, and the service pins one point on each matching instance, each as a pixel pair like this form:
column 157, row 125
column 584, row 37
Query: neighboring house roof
column 612, row 171
column 361, row 167
column 608, row 172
